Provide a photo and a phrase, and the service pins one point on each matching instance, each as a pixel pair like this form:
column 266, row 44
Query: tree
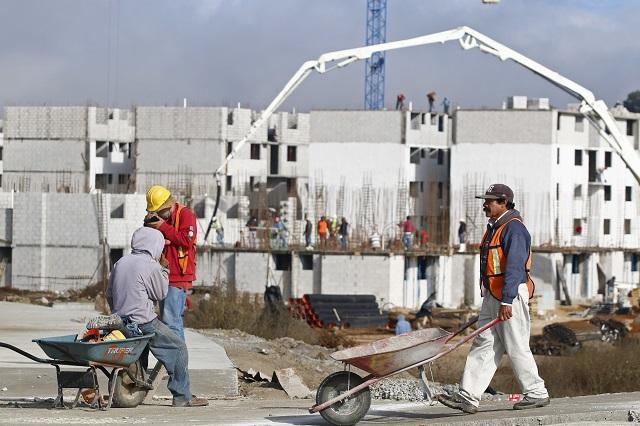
column 633, row 101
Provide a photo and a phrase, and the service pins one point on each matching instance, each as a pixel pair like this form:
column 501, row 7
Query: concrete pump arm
column 595, row 110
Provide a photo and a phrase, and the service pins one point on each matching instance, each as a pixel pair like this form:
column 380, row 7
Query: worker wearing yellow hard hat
column 157, row 197
column 178, row 225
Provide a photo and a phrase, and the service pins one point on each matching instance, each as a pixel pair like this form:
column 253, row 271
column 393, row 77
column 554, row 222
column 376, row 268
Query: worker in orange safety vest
column 506, row 287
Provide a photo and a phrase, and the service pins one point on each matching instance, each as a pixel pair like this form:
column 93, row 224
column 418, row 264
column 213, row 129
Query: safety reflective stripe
column 183, row 259
column 495, row 258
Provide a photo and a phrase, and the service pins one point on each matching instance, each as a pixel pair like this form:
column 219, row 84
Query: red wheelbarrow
column 343, row 398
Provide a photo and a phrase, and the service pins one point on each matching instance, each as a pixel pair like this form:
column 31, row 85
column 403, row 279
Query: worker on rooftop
column 178, row 225
column 506, row 287
column 431, row 98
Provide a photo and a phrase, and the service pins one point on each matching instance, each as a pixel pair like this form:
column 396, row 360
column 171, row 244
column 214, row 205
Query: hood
column 147, row 240
column 400, row 317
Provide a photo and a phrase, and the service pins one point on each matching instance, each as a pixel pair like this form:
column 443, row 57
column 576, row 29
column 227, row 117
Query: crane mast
column 374, row 66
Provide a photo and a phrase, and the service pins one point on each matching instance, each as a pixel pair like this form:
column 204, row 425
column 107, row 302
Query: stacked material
column 338, row 310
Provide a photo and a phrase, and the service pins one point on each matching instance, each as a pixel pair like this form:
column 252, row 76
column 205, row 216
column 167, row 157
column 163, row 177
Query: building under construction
column 74, row 178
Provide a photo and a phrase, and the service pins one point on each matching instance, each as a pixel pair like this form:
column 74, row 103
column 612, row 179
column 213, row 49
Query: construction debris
column 252, row 375
column 568, row 337
column 291, row 383
column 398, row 389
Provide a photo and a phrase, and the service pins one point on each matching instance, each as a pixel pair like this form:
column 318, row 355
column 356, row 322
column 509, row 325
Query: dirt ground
column 312, row 363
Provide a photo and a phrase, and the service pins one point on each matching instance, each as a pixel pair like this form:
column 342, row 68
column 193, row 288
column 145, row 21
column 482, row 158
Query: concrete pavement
column 601, row 409
column 212, row 373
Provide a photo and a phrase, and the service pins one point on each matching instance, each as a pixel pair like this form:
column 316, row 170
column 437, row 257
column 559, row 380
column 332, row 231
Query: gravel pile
column 400, row 389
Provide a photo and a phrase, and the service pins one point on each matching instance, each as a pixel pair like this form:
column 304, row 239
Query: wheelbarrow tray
column 121, row 353
column 388, row 355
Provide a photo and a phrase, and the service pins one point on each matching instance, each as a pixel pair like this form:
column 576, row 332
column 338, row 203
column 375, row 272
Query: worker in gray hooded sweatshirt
column 137, row 282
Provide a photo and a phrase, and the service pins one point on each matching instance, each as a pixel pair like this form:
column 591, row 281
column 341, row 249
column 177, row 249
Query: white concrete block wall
column 302, row 279
column 6, row 227
column 251, row 271
column 360, row 275
column 214, row 268
column 173, row 155
column 43, row 163
column 291, row 128
column 120, row 128
column 120, row 230
column 504, row 126
column 356, row 126
column 45, row 122
column 396, row 281
column 355, row 160
column 427, row 129
column 529, row 175
column 179, row 123
column 236, row 123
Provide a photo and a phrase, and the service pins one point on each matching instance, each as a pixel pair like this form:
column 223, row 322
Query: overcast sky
column 220, row 52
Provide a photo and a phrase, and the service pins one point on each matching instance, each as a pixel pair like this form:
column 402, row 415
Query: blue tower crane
column 374, row 66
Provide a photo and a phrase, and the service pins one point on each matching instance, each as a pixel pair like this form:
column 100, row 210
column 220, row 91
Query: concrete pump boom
column 595, row 110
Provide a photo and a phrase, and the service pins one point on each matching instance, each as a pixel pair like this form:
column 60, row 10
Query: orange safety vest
column 496, row 262
column 322, row 227
column 183, row 257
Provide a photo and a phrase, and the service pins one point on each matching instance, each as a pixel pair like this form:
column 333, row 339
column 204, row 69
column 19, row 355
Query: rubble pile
column 402, row 389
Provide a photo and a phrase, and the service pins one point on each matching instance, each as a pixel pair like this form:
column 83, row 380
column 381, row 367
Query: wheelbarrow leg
column 113, row 377
column 59, row 401
column 424, row 383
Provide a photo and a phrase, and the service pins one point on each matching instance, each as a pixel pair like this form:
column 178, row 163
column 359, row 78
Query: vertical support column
column 43, row 242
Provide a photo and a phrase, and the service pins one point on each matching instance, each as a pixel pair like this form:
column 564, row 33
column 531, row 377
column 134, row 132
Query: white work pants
column 512, row 337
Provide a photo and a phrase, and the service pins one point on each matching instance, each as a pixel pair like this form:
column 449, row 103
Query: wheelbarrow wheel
column 350, row 410
column 127, row 394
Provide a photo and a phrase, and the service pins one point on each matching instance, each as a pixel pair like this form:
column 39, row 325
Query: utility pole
column 374, row 66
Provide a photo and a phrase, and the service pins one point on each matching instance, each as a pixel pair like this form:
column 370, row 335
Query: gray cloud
column 228, row 51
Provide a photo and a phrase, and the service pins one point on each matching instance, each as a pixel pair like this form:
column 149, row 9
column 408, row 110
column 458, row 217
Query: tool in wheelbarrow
column 127, row 384
column 343, row 398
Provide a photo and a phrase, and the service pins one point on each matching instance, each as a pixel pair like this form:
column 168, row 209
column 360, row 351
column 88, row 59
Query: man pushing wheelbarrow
column 343, row 398
column 506, row 286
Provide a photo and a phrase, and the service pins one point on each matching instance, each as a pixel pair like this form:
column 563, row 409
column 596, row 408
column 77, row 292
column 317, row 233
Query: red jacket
column 184, row 237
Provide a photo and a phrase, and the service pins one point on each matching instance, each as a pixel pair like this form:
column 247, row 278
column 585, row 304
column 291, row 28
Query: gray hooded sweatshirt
column 138, row 280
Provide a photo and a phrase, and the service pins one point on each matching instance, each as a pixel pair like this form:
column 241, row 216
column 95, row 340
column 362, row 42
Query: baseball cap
column 497, row 191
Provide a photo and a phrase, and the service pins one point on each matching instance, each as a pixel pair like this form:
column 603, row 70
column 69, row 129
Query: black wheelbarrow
column 119, row 360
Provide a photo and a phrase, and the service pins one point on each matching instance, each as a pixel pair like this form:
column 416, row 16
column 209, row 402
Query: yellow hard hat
column 156, row 196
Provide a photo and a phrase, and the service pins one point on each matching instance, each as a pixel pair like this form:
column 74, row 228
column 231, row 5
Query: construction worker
column 408, row 229
column 137, row 282
column 506, row 287
column 323, row 230
column 308, row 229
column 178, row 225
column 216, row 225
column 431, row 97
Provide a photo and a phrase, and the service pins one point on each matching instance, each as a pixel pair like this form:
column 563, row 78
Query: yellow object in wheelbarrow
column 114, row 335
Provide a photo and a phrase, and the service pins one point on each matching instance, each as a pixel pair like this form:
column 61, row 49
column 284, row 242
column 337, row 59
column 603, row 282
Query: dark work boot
column 528, row 402
column 457, row 403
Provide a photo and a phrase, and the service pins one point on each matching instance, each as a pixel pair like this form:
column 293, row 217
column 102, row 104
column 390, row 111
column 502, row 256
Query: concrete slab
column 212, row 373
column 598, row 409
